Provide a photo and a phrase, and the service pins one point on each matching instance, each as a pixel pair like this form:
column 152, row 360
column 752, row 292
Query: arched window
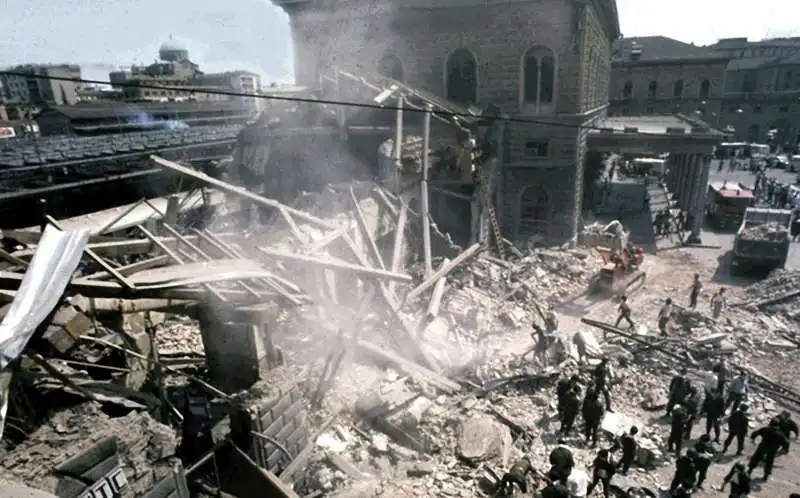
column 391, row 67
column 705, row 87
column 677, row 89
column 652, row 90
column 534, row 210
column 462, row 77
column 627, row 90
column 538, row 76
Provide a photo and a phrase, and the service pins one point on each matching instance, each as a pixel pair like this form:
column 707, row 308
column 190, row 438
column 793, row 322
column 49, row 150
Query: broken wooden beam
column 399, row 240
column 412, row 369
column 438, row 293
column 365, row 232
column 443, row 271
column 240, row 191
column 132, row 268
column 332, row 264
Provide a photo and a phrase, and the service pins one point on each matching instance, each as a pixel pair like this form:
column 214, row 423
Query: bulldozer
column 621, row 271
column 622, row 260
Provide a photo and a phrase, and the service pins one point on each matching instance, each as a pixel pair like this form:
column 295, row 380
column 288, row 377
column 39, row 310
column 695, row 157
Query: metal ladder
column 486, row 198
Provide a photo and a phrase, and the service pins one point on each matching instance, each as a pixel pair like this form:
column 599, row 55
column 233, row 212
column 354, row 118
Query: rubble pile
column 143, row 445
column 772, row 232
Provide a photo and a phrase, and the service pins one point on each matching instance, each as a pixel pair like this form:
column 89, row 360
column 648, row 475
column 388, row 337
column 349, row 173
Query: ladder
column 489, row 206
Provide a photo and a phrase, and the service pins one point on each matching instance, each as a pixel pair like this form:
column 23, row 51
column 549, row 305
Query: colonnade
column 687, row 179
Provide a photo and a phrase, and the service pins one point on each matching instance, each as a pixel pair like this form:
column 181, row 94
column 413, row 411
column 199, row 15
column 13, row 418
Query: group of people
column 665, row 223
column 665, row 314
column 685, row 406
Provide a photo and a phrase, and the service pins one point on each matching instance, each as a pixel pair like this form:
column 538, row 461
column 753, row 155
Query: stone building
column 543, row 62
column 657, row 75
column 746, row 88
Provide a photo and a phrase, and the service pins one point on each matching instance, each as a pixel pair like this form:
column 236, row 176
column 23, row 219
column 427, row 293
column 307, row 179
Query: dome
column 173, row 51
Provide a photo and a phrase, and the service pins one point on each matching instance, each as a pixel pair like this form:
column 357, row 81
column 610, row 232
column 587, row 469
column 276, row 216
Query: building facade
column 184, row 79
column 30, row 87
column 749, row 89
column 546, row 62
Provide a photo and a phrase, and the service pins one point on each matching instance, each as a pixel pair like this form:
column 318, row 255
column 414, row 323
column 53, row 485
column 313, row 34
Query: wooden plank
column 242, row 192
column 443, row 271
column 329, row 263
column 409, row 368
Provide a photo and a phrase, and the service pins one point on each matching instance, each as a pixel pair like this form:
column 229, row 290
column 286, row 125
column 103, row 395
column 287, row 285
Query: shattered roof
column 659, row 48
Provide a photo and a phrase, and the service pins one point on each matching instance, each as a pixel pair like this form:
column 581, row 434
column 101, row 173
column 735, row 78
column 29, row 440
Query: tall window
column 627, row 90
column 538, row 76
column 652, row 90
column 705, row 87
column 534, row 210
column 391, row 67
column 677, row 90
column 753, row 133
column 462, row 77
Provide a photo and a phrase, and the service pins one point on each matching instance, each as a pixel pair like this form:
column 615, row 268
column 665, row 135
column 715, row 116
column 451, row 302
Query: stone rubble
column 772, row 232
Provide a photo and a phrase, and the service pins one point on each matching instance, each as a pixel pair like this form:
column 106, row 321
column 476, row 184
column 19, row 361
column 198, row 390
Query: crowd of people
column 719, row 399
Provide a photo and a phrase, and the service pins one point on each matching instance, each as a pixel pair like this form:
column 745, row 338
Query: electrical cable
column 309, row 100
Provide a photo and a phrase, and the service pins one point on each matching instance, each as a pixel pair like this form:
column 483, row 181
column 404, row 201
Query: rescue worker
column 601, row 377
column 570, row 409
column 694, row 291
column 555, row 490
column 685, row 471
column 517, row 475
column 772, row 440
column 577, row 483
column 603, row 469
column 718, row 303
column 739, row 481
column 664, row 316
column 692, row 405
column 738, row 425
column 787, row 426
column 592, row 413
column 677, row 429
column 705, row 452
column 737, row 391
column 624, row 312
column 561, row 464
column 564, row 386
column 627, row 443
column 714, row 408
column 678, row 388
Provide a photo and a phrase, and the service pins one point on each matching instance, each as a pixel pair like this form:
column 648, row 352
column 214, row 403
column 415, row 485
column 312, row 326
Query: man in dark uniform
column 692, row 405
column 678, row 388
column 561, row 464
column 570, row 409
column 787, row 426
column 592, row 412
column 603, row 469
column 677, row 429
column 557, row 490
column 738, row 426
column 739, row 481
column 627, row 443
column 564, row 386
column 705, row 452
column 624, row 311
column 772, row 439
column 714, row 407
column 600, row 379
column 694, row 292
column 517, row 475
column 685, row 471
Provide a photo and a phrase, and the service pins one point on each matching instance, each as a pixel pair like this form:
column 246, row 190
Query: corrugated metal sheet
column 51, row 269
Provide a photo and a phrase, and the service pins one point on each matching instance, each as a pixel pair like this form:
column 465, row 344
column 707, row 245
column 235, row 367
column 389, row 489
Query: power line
column 306, row 100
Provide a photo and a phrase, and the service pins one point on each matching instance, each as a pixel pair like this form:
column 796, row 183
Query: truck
column 726, row 203
column 763, row 239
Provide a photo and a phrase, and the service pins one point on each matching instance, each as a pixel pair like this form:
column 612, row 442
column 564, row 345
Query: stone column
column 703, row 168
column 682, row 176
column 691, row 185
column 669, row 175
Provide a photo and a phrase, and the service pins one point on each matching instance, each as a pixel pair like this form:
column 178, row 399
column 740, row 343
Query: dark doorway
column 462, row 77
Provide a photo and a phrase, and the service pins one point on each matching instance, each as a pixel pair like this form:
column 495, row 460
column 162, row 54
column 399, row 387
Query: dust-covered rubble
column 772, row 232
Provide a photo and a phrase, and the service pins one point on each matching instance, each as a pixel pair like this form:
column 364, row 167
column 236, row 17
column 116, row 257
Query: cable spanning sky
column 254, row 35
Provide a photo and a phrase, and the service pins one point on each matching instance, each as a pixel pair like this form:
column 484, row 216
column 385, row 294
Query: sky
column 254, row 35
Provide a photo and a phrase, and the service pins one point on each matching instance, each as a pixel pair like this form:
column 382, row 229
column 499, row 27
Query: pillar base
column 693, row 239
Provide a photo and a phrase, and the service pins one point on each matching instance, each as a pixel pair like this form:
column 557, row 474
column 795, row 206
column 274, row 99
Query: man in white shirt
column 710, row 381
column 664, row 316
column 578, row 483
column 718, row 302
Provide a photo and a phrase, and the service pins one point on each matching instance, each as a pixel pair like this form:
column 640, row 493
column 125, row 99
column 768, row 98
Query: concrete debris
column 482, row 438
column 773, row 232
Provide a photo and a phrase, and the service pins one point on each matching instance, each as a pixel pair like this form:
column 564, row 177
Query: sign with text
column 110, row 486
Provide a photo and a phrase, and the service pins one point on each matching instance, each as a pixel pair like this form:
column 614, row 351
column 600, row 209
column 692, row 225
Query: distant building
column 751, row 89
column 184, row 79
column 96, row 118
column 33, row 88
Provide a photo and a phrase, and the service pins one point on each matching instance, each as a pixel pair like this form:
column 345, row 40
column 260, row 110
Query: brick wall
column 498, row 36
